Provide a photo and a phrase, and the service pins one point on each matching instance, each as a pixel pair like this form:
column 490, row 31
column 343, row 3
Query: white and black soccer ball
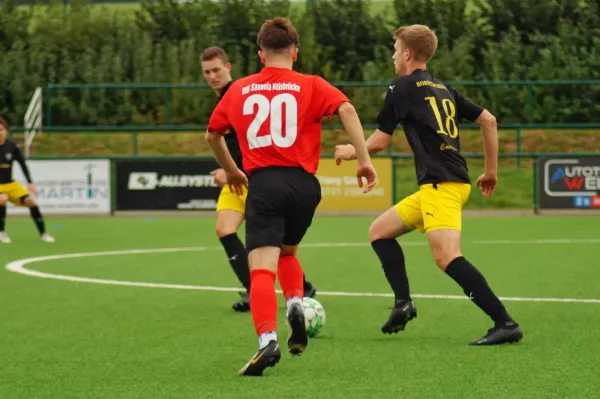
column 314, row 316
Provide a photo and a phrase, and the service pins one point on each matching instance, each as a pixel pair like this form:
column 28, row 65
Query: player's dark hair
column 277, row 34
column 4, row 123
column 213, row 52
column 421, row 40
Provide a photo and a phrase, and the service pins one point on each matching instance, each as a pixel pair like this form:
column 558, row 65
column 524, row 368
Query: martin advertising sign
column 68, row 187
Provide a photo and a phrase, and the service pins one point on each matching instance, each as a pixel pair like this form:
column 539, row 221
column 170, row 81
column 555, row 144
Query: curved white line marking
column 18, row 266
column 541, row 241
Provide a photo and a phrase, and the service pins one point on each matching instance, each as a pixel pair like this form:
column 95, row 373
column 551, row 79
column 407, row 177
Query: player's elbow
column 380, row 141
column 346, row 110
column 385, row 142
column 487, row 119
column 211, row 137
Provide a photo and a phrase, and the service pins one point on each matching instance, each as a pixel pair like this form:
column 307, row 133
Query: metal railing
column 136, row 130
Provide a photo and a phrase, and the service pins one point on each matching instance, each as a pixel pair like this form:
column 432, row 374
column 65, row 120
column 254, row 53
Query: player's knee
column 376, row 232
column 445, row 246
column 443, row 258
column 29, row 202
column 440, row 261
column 3, row 199
column 224, row 230
column 264, row 258
column 289, row 250
column 228, row 222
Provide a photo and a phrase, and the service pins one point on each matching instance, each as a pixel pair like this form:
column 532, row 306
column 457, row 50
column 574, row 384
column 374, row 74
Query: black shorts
column 280, row 205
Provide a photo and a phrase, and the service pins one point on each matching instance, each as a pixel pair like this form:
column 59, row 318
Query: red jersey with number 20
column 277, row 115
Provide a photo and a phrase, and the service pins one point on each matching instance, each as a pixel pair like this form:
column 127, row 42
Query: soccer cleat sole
column 243, row 304
column 241, row 307
column 513, row 338
column 270, row 361
column 394, row 330
column 397, row 323
column 266, row 361
column 298, row 339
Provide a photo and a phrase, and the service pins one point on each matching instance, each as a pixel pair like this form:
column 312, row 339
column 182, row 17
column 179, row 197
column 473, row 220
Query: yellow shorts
column 432, row 208
column 15, row 192
column 230, row 201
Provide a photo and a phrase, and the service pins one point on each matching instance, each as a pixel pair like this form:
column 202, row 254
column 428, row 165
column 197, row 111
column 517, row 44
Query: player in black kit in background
column 12, row 191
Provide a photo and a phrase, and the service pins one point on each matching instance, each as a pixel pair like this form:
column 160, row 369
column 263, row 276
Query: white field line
column 18, row 266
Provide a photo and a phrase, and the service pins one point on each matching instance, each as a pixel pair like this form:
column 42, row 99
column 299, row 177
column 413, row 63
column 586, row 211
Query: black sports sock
column 477, row 289
column 392, row 258
column 2, row 217
column 307, row 284
column 238, row 258
column 37, row 217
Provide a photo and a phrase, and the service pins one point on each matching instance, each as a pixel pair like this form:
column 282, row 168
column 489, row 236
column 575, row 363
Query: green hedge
column 340, row 40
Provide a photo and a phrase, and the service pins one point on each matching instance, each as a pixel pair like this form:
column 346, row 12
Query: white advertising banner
column 67, row 187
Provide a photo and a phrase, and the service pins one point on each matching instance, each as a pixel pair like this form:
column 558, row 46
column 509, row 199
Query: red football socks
column 263, row 301
column 291, row 277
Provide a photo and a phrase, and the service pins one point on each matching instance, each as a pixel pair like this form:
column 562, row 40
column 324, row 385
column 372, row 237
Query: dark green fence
column 136, row 130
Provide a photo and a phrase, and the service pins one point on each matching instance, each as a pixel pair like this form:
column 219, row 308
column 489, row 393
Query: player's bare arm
column 376, row 142
column 219, row 176
column 236, row 179
column 489, row 130
column 353, row 127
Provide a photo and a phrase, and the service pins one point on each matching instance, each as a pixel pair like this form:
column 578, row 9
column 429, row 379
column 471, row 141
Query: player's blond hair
column 421, row 40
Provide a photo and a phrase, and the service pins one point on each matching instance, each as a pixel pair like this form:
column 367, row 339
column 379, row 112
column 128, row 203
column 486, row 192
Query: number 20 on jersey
column 279, row 119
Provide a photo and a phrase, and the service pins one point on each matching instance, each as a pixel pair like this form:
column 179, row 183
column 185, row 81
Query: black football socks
column 238, row 258
column 392, row 259
column 37, row 217
column 477, row 289
column 2, row 217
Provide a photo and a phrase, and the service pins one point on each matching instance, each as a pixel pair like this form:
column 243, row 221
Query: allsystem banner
column 166, row 185
column 340, row 191
column 569, row 183
column 68, row 186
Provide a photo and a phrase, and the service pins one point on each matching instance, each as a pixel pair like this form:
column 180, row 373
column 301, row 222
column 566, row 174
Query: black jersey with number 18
column 429, row 112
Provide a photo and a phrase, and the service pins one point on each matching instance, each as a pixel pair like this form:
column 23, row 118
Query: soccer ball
column 314, row 316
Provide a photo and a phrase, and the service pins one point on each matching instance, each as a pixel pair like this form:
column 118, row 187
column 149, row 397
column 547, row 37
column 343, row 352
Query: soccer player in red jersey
column 277, row 115
column 231, row 207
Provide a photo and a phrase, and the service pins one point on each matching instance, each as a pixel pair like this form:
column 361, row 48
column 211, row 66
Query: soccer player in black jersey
column 13, row 191
column 231, row 207
column 429, row 112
